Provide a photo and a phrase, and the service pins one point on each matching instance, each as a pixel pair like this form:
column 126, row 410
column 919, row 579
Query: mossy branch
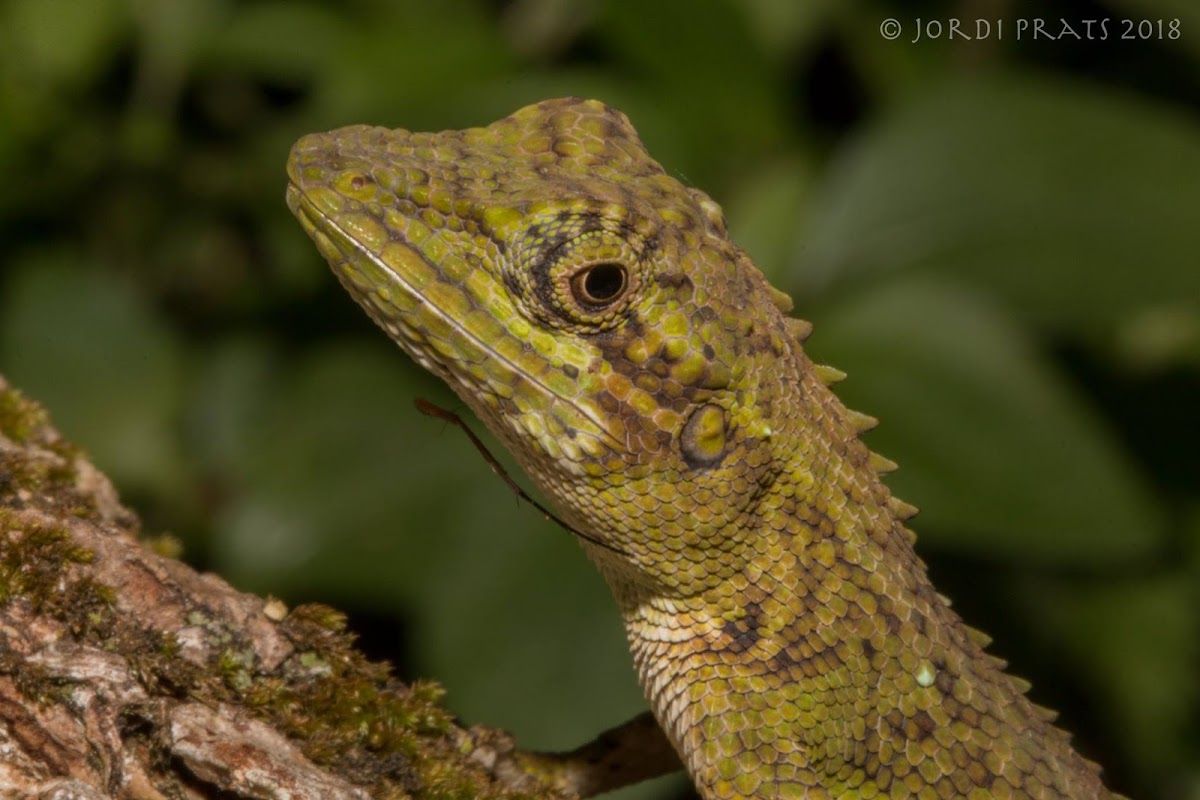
column 126, row 674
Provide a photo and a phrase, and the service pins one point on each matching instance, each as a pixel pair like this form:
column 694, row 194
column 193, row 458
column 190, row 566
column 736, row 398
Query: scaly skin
column 593, row 312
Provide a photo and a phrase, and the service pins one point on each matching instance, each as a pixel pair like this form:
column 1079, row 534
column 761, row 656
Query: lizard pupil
column 599, row 284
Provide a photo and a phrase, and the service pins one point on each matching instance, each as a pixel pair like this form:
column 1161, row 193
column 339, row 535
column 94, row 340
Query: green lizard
column 593, row 312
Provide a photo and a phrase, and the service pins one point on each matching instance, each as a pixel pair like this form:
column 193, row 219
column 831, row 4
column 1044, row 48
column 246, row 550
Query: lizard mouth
column 434, row 321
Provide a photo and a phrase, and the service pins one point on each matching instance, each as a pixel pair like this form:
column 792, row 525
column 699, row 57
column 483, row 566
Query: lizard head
column 586, row 305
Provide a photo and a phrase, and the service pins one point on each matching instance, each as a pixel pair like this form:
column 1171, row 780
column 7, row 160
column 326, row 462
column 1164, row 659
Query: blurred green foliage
column 998, row 239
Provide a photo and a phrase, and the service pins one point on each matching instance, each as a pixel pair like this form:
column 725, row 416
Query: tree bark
column 124, row 673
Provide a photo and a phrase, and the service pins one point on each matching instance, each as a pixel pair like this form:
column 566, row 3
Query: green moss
column 35, row 683
column 20, row 474
column 28, row 473
column 164, row 544
column 350, row 714
column 87, row 608
column 20, row 418
column 345, row 712
column 155, row 658
column 31, row 564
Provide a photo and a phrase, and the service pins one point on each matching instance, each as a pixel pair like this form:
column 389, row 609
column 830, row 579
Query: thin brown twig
column 437, row 412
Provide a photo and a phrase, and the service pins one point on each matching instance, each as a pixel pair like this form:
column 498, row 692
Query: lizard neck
column 828, row 651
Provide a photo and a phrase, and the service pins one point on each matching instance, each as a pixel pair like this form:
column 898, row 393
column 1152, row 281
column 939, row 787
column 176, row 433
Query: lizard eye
column 579, row 272
column 598, row 285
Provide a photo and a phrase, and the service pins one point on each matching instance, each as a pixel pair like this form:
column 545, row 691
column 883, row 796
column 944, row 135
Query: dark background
column 997, row 238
